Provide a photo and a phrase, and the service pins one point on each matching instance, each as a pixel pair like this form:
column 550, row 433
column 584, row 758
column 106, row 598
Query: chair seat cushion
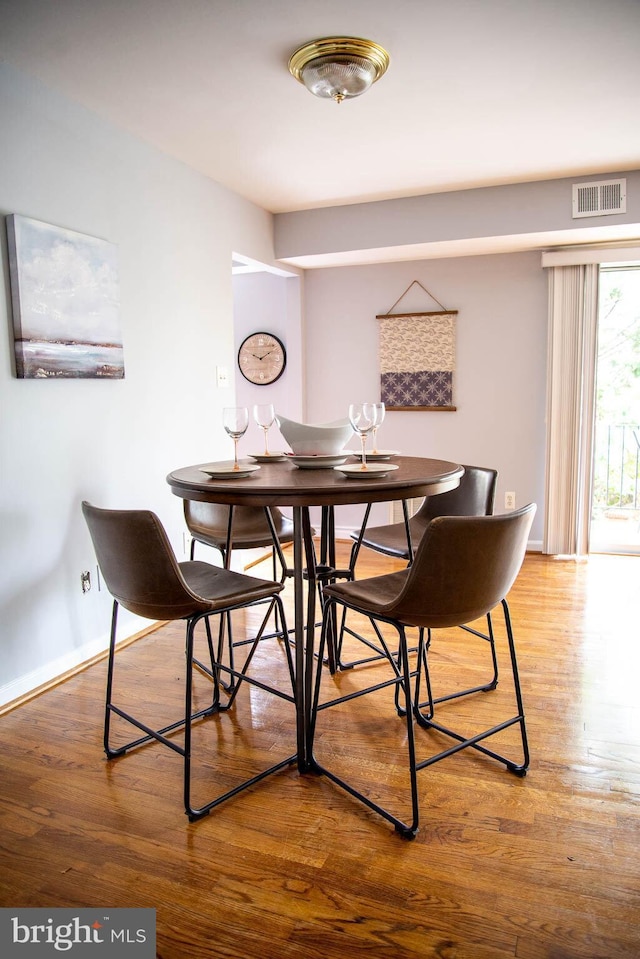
column 375, row 594
column 224, row 587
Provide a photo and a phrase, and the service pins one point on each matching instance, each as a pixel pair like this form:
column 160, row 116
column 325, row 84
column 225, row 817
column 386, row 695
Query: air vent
column 601, row 198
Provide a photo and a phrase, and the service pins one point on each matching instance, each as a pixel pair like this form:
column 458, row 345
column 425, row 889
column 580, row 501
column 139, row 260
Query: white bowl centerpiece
column 322, row 439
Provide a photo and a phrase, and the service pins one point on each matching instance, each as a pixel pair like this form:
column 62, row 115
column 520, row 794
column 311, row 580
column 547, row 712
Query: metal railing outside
column 616, row 477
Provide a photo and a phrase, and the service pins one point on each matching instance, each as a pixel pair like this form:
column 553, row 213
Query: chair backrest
column 474, row 496
column 139, row 565
column 464, row 566
column 210, row 521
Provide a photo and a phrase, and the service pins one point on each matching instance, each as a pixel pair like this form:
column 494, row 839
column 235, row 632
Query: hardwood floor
column 544, row 867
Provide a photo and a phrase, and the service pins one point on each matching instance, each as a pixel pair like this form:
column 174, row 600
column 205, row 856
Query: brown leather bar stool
column 252, row 527
column 141, row 572
column 474, row 496
column 463, row 568
column 226, row 528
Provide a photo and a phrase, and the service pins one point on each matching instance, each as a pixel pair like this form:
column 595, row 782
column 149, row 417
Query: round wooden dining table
column 285, row 485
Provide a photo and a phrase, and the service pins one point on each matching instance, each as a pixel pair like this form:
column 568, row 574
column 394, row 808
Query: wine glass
column 264, row 415
column 362, row 417
column 235, row 420
column 380, row 411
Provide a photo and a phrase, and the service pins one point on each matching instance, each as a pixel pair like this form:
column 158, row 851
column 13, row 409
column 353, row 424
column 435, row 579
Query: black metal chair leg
column 275, row 607
column 109, row 692
column 402, row 677
column 423, row 665
column 194, row 813
column 519, row 768
column 150, row 734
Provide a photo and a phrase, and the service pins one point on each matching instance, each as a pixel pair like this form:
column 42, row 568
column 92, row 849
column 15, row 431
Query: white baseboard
column 50, row 671
column 57, row 670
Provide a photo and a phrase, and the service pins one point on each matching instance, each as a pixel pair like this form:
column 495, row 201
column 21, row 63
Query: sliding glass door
column 615, row 512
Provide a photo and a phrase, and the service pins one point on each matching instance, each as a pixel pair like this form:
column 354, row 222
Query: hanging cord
column 413, row 283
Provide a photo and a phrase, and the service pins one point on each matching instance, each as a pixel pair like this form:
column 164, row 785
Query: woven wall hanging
column 417, row 358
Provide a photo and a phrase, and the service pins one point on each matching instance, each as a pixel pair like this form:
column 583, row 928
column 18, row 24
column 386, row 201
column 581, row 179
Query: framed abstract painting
column 66, row 304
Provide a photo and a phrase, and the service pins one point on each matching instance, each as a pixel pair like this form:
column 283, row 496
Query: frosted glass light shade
column 339, row 68
column 334, row 78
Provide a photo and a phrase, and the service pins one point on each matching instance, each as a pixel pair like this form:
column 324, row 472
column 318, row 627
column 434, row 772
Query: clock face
column 262, row 358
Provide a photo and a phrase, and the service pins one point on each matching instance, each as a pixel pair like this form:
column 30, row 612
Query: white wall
column 111, row 442
column 499, row 385
column 266, row 301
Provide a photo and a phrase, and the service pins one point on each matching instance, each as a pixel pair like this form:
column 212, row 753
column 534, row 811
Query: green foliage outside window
column 617, row 445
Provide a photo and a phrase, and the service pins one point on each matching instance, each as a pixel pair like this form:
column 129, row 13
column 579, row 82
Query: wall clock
column 262, row 358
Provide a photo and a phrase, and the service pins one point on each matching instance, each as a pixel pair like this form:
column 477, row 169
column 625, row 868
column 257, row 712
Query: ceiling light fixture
column 339, row 68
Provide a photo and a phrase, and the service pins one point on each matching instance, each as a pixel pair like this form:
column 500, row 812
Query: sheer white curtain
column 571, row 365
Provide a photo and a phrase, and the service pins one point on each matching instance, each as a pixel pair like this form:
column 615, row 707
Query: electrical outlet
column 222, row 377
column 85, row 580
column 509, row 500
column 186, row 543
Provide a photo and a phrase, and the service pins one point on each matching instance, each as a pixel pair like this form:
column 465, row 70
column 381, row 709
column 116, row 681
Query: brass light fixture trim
column 339, row 68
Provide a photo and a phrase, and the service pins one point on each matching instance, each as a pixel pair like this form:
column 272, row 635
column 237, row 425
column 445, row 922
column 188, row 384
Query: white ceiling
column 478, row 93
